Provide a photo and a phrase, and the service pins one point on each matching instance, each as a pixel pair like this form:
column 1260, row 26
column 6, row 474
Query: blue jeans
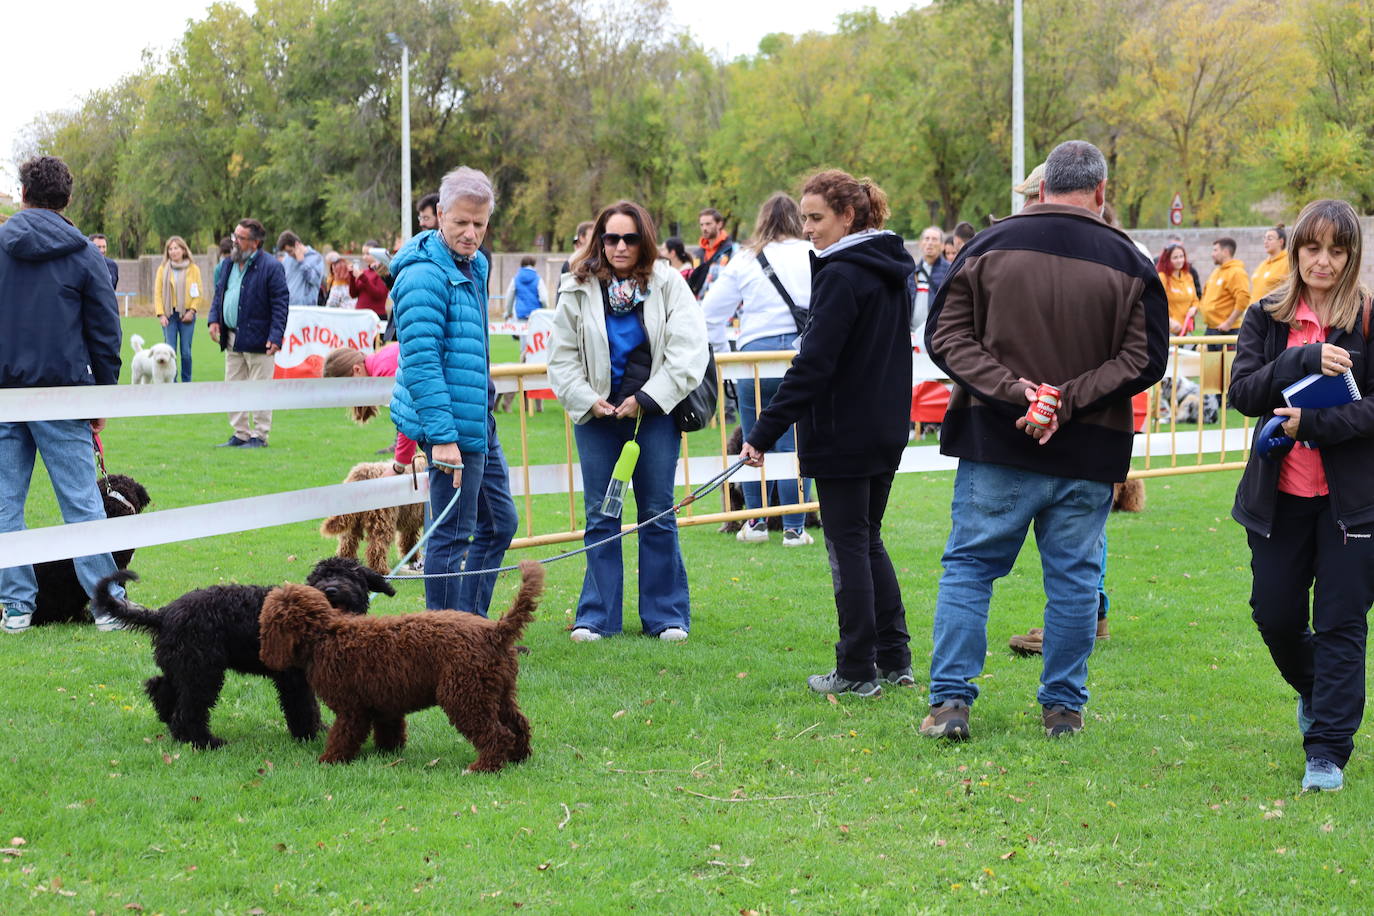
column 782, row 492
column 663, row 598
column 496, row 526
column 449, row 542
column 68, row 454
column 178, row 336
column 994, row 505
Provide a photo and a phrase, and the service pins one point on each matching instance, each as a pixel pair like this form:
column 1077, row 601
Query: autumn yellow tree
column 1203, row 82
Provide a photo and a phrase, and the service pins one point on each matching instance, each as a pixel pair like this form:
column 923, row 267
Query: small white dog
column 155, row 365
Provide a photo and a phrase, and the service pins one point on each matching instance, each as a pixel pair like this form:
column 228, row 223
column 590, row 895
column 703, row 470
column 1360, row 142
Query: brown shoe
column 1030, row 644
column 1102, row 632
column 947, row 720
column 1060, row 720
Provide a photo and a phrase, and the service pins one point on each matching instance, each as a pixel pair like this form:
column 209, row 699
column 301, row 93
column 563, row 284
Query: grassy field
column 692, row 778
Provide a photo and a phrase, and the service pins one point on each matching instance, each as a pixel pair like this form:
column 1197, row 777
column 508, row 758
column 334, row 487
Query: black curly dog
column 61, row 599
column 204, row 633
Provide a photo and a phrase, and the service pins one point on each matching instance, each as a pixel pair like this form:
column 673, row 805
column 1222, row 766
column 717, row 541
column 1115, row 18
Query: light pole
column 1018, row 110
column 405, row 134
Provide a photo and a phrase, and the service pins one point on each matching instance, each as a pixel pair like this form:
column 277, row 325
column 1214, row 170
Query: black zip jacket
column 849, row 387
column 1264, row 366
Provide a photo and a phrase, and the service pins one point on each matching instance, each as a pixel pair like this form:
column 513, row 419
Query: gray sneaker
column 897, row 677
column 833, row 683
column 105, row 623
column 17, row 620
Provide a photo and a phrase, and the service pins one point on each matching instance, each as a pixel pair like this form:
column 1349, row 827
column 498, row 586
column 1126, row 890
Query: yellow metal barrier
column 1211, row 369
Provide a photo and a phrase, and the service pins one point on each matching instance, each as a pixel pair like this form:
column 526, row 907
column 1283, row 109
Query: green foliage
column 292, row 113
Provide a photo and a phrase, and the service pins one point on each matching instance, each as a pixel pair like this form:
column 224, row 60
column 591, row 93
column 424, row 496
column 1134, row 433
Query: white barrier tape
column 84, row 402
column 37, row 545
column 172, row 525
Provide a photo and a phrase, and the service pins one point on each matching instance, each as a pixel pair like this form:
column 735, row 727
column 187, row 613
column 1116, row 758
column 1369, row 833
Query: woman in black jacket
column 1309, row 513
column 849, row 392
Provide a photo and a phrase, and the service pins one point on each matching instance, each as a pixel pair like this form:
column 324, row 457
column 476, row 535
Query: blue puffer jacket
column 441, row 324
column 263, row 305
column 59, row 324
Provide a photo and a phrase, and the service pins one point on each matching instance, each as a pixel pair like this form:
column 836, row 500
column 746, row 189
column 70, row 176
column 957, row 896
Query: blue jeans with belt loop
column 69, row 455
column 449, row 541
column 663, row 596
column 786, row 489
column 495, row 526
column 993, row 508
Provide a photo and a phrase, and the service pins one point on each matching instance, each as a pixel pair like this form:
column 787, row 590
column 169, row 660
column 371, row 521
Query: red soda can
column 1040, row 415
column 1047, row 395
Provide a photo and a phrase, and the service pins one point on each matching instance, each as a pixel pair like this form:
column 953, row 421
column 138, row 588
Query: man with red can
column 1056, row 310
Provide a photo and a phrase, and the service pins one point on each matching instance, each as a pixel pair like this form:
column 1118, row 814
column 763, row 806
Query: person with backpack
column 769, row 284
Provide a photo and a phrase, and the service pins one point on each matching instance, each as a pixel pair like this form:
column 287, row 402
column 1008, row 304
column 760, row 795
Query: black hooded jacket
column 849, row 387
column 59, row 321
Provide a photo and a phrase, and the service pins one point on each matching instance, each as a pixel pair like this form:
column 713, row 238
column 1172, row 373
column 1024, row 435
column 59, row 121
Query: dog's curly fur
column 379, row 527
column 372, row 671
column 206, row 632
column 1128, row 496
column 61, row 599
column 735, row 494
column 155, row 365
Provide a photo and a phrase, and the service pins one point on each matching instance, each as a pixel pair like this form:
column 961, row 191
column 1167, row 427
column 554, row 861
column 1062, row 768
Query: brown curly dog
column 379, row 527
column 372, row 671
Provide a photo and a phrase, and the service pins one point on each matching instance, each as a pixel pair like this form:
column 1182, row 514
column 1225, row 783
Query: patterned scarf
column 624, row 296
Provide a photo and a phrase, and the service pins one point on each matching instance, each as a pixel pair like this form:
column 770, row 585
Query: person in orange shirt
column 1273, row 270
column 1178, row 287
column 1228, row 291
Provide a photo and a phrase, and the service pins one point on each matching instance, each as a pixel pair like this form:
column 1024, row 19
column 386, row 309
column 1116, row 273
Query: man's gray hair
column 1074, row 166
column 464, row 183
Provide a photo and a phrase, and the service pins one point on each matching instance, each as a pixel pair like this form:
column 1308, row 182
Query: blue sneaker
column 1322, row 776
column 1305, row 719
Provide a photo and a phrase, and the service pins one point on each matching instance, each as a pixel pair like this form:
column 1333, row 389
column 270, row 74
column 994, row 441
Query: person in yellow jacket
column 1273, row 270
column 1228, row 291
column 1173, row 271
column 177, row 296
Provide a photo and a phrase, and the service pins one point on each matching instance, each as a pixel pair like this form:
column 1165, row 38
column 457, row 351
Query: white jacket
column 742, row 281
column 580, row 355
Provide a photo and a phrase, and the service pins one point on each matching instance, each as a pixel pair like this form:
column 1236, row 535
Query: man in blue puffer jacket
column 442, row 399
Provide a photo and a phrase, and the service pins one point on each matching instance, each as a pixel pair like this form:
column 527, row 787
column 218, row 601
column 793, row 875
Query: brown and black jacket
column 1053, row 295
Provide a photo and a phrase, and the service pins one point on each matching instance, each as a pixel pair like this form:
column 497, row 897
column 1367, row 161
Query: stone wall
column 1249, row 245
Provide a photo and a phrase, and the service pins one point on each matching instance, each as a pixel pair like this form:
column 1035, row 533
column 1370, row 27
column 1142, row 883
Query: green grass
column 697, row 778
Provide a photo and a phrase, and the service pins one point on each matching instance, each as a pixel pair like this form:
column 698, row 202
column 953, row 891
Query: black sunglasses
column 613, row 239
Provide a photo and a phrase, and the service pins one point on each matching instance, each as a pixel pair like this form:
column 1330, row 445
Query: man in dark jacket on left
column 59, row 326
column 247, row 320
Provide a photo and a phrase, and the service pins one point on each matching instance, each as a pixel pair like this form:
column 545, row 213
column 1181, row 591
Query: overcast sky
column 101, row 41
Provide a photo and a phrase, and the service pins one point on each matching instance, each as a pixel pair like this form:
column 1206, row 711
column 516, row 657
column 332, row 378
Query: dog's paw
column 209, row 745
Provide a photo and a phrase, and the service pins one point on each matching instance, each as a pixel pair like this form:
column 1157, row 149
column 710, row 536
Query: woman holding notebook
column 1309, row 512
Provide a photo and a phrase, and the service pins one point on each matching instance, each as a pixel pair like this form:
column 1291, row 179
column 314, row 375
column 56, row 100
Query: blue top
column 624, row 333
column 262, row 304
column 526, row 292
column 303, row 277
column 441, row 325
column 59, row 321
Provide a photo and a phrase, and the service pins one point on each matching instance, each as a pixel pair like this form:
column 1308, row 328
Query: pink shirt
column 1302, row 473
column 383, row 364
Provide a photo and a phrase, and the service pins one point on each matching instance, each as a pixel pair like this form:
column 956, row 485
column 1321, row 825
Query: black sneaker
column 833, row 683
column 234, row 442
column 255, row 442
column 897, row 677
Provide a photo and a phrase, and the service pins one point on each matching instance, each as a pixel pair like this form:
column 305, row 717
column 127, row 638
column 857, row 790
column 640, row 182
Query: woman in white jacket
column 628, row 345
column 766, row 322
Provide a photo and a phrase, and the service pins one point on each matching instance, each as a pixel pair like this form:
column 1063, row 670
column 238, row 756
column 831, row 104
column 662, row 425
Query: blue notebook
column 1322, row 391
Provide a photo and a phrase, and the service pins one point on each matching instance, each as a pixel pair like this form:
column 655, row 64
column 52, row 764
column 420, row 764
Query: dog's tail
column 136, row 343
column 512, row 624
column 334, row 526
column 132, row 614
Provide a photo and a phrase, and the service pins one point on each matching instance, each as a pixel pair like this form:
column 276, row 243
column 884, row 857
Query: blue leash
column 692, row 497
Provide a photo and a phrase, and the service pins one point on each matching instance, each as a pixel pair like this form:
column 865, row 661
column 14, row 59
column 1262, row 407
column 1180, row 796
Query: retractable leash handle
column 1272, row 443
